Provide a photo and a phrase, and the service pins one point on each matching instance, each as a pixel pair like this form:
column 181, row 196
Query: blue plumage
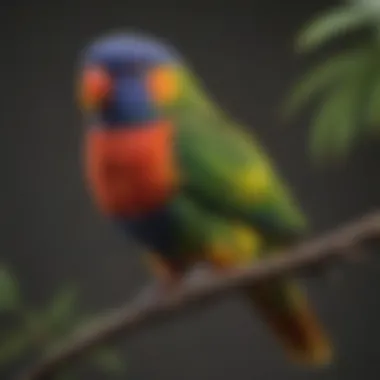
column 126, row 58
column 129, row 104
column 120, row 48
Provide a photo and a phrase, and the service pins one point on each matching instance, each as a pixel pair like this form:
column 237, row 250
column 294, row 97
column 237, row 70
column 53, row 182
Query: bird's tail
column 287, row 312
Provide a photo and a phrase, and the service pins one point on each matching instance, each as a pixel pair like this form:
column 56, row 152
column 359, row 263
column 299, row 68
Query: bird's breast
column 130, row 170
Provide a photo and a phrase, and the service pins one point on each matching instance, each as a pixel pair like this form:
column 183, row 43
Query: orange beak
column 94, row 87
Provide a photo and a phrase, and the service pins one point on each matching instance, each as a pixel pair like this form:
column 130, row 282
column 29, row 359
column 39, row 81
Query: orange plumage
column 130, row 170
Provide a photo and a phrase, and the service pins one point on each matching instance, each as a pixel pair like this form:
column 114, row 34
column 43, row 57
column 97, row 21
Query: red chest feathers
column 130, row 171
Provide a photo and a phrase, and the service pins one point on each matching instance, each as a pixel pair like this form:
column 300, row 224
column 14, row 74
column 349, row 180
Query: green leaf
column 323, row 129
column 337, row 123
column 61, row 314
column 13, row 345
column 324, row 76
column 369, row 5
column 66, row 374
column 10, row 298
column 332, row 24
column 373, row 108
column 321, row 126
column 38, row 329
column 109, row 360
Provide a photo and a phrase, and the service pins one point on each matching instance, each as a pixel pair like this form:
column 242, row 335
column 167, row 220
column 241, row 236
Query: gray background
column 50, row 231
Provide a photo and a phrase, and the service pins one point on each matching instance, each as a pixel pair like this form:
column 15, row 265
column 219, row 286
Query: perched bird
column 177, row 173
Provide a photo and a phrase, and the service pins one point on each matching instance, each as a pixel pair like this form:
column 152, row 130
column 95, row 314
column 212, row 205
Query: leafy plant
column 347, row 84
column 10, row 297
column 33, row 331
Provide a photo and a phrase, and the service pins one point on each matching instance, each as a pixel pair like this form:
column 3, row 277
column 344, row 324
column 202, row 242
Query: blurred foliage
column 33, row 331
column 346, row 85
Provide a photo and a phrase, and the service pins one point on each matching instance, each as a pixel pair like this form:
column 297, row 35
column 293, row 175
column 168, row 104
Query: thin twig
column 309, row 255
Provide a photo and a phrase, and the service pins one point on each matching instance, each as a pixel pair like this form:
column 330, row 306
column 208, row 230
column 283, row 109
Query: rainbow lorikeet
column 186, row 181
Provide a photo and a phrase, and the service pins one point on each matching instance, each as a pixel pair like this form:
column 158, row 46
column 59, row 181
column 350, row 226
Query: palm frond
column 14, row 344
column 109, row 360
column 324, row 76
column 10, row 296
column 66, row 374
column 332, row 24
column 338, row 122
column 373, row 104
column 62, row 312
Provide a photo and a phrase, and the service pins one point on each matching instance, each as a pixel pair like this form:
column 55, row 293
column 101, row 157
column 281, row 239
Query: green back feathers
column 225, row 170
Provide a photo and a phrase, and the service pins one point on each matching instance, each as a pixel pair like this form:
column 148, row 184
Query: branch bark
column 310, row 255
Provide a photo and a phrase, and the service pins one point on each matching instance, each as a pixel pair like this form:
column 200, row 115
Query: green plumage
column 225, row 172
column 233, row 208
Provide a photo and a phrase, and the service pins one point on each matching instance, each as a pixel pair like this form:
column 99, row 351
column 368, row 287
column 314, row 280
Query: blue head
column 126, row 79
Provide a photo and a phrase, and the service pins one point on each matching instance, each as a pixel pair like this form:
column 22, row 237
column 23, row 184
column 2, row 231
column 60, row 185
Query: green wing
column 225, row 170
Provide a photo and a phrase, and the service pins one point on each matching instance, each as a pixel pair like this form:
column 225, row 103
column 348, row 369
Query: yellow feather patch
column 253, row 183
column 248, row 243
column 238, row 247
column 163, row 85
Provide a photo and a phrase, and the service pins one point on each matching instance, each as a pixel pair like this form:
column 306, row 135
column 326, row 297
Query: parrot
column 174, row 171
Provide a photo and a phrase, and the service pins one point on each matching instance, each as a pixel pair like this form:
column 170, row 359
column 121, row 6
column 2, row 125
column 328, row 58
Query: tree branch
column 309, row 255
